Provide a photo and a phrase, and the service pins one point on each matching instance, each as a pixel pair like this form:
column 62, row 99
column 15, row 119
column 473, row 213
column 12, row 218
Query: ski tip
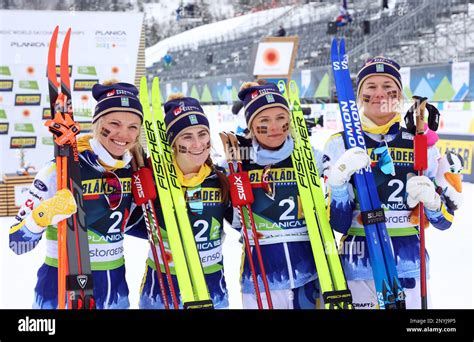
column 155, row 83
column 294, row 87
column 334, row 50
column 281, row 86
column 143, row 86
column 51, row 67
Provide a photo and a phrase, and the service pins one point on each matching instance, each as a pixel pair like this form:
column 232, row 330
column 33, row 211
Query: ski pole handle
column 420, row 105
column 143, row 188
column 240, row 189
column 420, row 141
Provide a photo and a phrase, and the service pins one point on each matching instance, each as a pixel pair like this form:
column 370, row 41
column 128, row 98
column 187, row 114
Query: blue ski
column 390, row 293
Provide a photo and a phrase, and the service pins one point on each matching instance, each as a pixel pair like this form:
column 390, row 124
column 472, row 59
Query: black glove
column 433, row 115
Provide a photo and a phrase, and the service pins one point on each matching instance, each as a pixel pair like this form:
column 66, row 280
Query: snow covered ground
column 451, row 266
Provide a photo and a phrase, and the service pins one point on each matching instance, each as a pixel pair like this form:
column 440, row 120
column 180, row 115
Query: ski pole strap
column 338, row 299
column 199, row 304
column 373, row 216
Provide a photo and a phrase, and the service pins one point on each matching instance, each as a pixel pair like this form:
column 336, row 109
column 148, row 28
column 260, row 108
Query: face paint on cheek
column 393, row 94
column 104, row 132
column 182, row 149
column 262, row 129
column 286, row 127
column 366, row 98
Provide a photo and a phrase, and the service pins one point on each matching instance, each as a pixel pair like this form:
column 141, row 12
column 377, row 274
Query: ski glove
column 433, row 116
column 448, row 179
column 59, row 207
column 351, row 161
column 422, row 189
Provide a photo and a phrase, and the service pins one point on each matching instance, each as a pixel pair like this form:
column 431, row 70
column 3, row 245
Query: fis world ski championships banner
column 103, row 46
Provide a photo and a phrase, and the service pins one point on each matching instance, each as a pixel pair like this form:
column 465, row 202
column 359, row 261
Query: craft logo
column 84, row 85
column 22, row 142
column 4, row 127
column 46, row 115
column 6, row 85
column 27, row 99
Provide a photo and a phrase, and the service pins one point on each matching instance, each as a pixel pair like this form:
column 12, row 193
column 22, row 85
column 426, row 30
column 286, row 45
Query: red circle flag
column 271, row 56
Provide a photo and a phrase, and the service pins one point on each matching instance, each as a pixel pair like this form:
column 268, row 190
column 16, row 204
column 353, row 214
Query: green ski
column 331, row 276
column 187, row 263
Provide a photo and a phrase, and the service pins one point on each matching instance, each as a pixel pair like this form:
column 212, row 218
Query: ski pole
column 144, row 193
column 421, row 163
column 242, row 196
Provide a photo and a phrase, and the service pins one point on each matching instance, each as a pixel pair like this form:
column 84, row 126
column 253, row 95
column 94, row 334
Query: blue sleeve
column 25, row 233
column 441, row 219
column 22, row 240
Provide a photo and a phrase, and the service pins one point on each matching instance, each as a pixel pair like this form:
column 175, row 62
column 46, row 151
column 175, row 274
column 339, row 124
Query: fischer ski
column 242, row 197
column 390, row 294
column 144, row 193
column 336, row 294
column 185, row 256
column 74, row 267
